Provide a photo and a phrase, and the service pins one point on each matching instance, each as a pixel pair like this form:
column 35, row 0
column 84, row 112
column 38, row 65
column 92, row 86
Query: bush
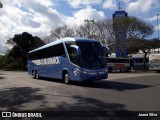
column 8, row 63
column 12, row 66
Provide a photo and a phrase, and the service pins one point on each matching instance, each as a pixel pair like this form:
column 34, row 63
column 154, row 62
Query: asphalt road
column 121, row 91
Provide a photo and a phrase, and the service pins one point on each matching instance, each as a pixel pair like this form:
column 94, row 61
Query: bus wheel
column 33, row 74
column 36, row 74
column 66, row 78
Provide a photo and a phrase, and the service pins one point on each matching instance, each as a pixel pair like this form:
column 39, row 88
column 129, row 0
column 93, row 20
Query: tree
column 136, row 32
column 37, row 43
column 61, row 32
column 134, row 28
column 22, row 44
column 111, row 33
column 132, row 46
column 87, row 30
column 101, row 31
column 138, row 28
column 105, row 32
column 16, row 53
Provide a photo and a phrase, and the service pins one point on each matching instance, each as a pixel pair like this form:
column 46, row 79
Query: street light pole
column 158, row 28
column 158, row 25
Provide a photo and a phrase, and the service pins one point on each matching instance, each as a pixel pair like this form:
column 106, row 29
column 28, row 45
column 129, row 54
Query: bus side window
column 59, row 50
column 73, row 53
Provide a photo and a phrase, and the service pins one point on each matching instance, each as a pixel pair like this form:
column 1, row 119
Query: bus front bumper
column 85, row 77
column 89, row 75
column 92, row 76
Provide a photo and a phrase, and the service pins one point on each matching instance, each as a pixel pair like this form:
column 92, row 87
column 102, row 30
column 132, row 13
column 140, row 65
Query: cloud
column 34, row 16
column 40, row 17
column 126, row 1
column 151, row 19
column 83, row 14
column 80, row 3
column 110, row 4
column 157, row 27
column 140, row 6
column 2, row 48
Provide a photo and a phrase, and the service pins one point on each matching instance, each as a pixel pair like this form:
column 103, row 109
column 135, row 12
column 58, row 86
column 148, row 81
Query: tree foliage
column 135, row 30
column 100, row 30
column 22, row 44
column 105, row 31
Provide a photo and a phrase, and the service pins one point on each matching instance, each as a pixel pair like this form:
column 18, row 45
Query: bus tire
column 66, row 78
column 33, row 74
column 36, row 74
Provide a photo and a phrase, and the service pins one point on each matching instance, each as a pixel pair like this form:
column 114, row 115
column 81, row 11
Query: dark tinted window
column 116, row 60
column 52, row 51
column 140, row 60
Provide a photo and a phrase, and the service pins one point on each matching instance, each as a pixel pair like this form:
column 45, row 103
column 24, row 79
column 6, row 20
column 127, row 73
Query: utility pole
column 119, row 6
column 158, row 28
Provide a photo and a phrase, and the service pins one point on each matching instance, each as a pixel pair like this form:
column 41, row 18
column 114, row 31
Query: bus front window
column 91, row 55
column 73, row 54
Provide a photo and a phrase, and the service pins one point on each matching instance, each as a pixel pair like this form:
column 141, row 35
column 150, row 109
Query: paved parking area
column 121, row 91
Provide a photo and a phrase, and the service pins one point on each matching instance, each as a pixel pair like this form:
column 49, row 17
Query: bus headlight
column 80, row 71
column 77, row 70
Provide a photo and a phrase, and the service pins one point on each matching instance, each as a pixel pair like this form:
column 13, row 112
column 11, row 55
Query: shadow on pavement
column 51, row 79
column 11, row 99
column 107, row 84
column 1, row 78
column 88, row 109
column 83, row 107
column 1, row 74
column 119, row 86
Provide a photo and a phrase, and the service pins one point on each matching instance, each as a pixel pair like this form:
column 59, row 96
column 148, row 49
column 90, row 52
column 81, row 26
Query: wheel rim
column 36, row 75
column 66, row 79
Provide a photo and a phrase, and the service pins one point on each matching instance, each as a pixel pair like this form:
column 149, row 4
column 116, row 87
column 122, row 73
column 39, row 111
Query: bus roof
column 63, row 40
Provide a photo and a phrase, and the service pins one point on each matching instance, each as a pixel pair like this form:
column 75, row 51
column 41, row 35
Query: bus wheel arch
column 65, row 76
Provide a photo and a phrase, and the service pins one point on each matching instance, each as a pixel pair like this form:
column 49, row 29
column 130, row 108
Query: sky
column 39, row 17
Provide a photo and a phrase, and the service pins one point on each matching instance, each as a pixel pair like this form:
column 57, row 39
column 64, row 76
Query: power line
column 158, row 28
column 158, row 25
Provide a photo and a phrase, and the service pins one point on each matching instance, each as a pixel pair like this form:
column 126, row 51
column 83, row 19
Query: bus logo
column 47, row 61
column 120, row 66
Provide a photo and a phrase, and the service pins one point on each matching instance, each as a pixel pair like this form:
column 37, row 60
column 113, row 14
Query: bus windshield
column 91, row 56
